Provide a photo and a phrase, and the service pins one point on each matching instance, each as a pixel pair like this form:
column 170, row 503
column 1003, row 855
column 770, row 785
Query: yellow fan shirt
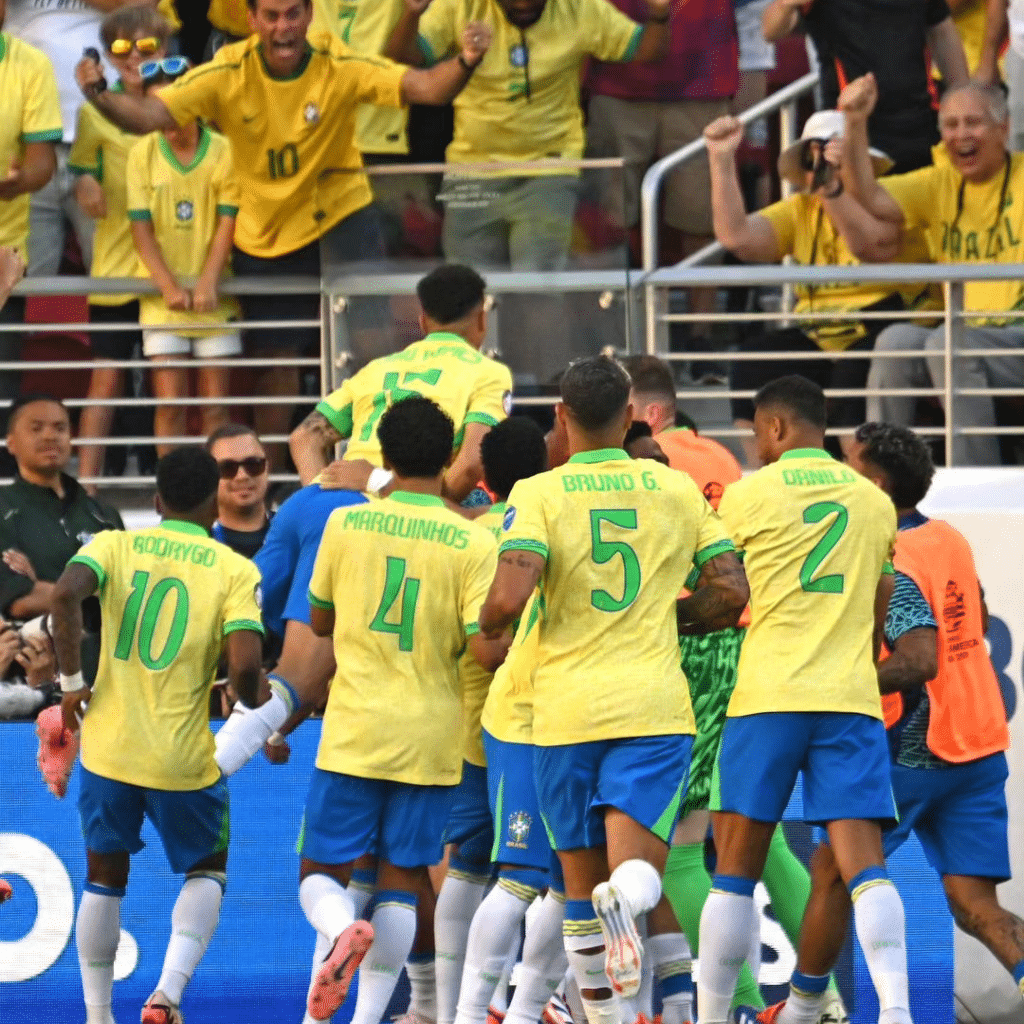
column 406, row 579
column 169, row 596
column 29, row 112
column 618, row 538
column 184, row 204
column 469, row 386
column 816, row 538
column 293, row 140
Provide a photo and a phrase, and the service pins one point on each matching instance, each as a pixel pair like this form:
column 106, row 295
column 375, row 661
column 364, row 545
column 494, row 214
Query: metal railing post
column 787, row 136
column 953, row 325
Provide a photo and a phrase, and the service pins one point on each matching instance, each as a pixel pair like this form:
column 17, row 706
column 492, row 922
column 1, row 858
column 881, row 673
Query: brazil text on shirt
column 394, row 525
column 607, row 482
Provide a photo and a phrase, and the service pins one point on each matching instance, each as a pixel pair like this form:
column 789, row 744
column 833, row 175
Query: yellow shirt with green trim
column 293, row 139
column 184, row 204
column 618, row 538
column 508, row 711
column 31, row 113
column 406, row 579
column 101, row 150
column 474, row 679
column 964, row 223
column 816, row 537
column 366, row 26
column 169, row 595
column 469, row 386
column 523, row 101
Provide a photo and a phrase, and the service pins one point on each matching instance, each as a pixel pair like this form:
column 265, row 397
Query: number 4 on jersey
column 395, row 583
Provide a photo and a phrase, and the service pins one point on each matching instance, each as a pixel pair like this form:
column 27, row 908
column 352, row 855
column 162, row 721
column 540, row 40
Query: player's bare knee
column 216, row 863
column 108, row 869
column 341, row 873
column 597, row 995
column 972, row 902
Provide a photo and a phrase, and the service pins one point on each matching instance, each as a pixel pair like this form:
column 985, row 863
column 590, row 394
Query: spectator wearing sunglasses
column 242, row 514
column 131, row 36
column 182, row 202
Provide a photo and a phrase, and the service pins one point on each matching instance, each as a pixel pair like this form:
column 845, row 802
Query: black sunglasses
column 255, row 465
column 807, row 155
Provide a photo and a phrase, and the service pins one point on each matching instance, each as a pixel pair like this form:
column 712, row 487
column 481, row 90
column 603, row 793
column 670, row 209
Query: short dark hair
column 253, row 4
column 638, row 428
column 186, row 479
column 797, row 395
column 228, row 430
column 903, row 456
column 128, row 22
column 416, row 437
column 595, row 390
column 651, row 376
column 512, row 451
column 450, row 293
column 30, row 399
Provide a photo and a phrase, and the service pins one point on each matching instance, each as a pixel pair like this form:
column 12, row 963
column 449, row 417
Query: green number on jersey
column 605, row 550
column 345, row 19
column 395, row 582
column 150, row 616
column 284, row 162
column 391, row 392
column 831, row 584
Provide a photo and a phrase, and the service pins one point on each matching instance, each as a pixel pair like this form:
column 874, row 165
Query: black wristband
column 466, row 66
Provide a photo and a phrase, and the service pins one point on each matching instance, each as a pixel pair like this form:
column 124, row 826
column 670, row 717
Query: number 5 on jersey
column 603, row 550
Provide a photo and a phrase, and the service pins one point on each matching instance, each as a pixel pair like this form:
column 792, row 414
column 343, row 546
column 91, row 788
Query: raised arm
column 748, row 236
column 997, row 29
column 947, row 50
column 656, row 36
column 780, row 19
column 403, row 45
column 719, row 598
column 467, row 469
column 312, row 444
column 443, row 82
column 138, row 114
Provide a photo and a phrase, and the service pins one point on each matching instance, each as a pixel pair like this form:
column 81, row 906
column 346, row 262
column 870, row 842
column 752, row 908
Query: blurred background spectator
column 242, row 514
column 28, row 669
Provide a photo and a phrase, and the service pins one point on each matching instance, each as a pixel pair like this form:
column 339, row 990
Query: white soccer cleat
column 833, row 1012
column 622, row 943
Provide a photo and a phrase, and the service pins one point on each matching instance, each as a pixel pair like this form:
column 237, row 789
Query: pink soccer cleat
column 158, row 1010
column 6, row 892
column 334, row 977
column 58, row 748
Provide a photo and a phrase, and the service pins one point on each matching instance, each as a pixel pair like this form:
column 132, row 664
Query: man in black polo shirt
column 45, row 516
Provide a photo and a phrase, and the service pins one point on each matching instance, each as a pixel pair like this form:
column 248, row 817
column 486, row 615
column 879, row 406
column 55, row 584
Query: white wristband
column 275, row 739
column 379, row 479
column 72, row 683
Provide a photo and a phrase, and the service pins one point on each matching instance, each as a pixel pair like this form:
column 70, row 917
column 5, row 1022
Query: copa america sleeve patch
column 510, row 518
column 257, row 594
column 506, row 403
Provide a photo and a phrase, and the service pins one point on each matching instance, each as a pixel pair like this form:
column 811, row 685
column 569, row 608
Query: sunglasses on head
column 145, row 46
column 170, row 66
column 255, row 465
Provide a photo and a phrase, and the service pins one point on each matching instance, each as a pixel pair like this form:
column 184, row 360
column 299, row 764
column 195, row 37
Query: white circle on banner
column 127, row 957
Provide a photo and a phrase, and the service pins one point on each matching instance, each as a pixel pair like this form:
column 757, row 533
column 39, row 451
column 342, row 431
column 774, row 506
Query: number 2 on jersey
column 833, row 583
column 395, row 583
column 150, row 616
column 605, row 550
column 391, row 392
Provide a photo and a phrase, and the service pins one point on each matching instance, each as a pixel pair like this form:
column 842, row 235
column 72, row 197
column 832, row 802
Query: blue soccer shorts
column 192, row 824
column 844, row 760
column 644, row 777
column 469, row 825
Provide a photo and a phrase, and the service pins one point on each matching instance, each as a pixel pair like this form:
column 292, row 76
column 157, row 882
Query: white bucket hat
column 824, row 125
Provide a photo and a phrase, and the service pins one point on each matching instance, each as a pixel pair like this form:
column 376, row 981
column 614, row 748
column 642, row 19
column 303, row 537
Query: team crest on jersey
column 184, row 210
column 518, row 55
column 510, row 518
column 519, row 823
column 311, row 113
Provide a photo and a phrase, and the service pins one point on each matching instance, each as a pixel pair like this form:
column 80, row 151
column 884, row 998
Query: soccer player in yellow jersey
column 611, row 542
column 446, row 366
column 171, row 599
column 406, row 577
column 817, row 540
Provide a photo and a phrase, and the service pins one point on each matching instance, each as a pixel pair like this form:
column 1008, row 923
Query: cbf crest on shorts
column 519, row 823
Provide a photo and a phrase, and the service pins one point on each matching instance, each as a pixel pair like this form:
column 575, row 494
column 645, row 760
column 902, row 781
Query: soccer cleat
column 557, row 1010
column 494, row 1015
column 833, row 1012
column 58, row 748
column 771, row 1014
column 160, row 1012
column 623, row 948
column 6, row 892
column 333, row 979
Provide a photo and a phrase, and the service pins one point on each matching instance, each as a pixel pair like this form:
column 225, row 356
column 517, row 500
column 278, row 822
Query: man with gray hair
column 971, row 210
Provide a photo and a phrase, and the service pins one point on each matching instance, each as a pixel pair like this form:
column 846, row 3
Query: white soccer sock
column 97, row 933
column 584, row 946
column 672, row 961
column 573, row 999
column 499, row 999
column 640, row 883
column 644, row 998
column 246, row 730
column 423, row 983
column 543, row 965
column 754, row 953
column 320, row 951
column 327, row 906
column 725, row 925
column 881, row 931
column 394, row 929
column 806, row 999
column 361, row 887
column 457, row 902
column 193, row 922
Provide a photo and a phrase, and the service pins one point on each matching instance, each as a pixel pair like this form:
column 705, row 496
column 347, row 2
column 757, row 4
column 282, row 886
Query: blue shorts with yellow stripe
column 843, row 757
column 644, row 777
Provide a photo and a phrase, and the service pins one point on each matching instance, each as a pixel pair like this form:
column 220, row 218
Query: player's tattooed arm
column 76, row 583
column 914, row 660
column 312, row 445
column 516, row 578
column 718, row 599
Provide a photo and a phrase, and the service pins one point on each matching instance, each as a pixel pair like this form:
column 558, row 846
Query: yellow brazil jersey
column 169, row 595
column 816, row 538
column 30, row 113
column 366, row 26
column 469, row 386
column 508, row 710
column 184, row 204
column 968, row 222
column 523, row 101
column 229, row 16
column 406, row 578
column 293, row 139
column 474, row 679
column 101, row 150
column 618, row 537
